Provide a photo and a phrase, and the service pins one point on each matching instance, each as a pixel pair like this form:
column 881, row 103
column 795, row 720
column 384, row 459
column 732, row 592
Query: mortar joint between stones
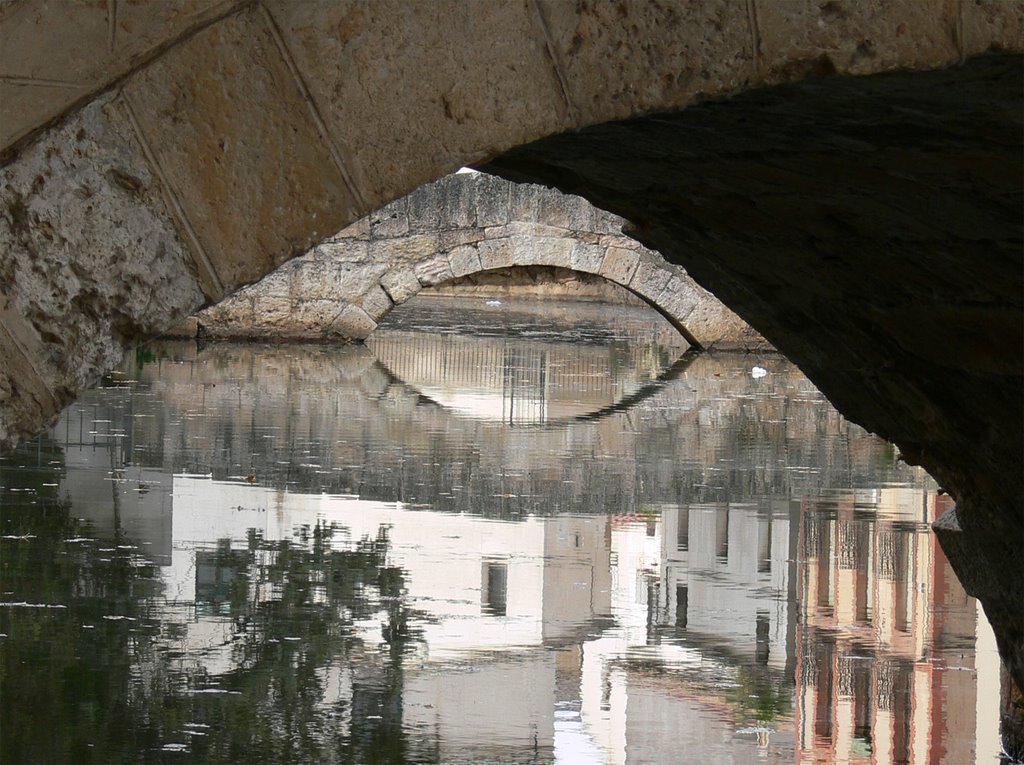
column 314, row 110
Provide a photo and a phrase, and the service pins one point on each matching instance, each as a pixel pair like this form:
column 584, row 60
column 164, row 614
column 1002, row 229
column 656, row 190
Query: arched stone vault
column 464, row 225
column 868, row 224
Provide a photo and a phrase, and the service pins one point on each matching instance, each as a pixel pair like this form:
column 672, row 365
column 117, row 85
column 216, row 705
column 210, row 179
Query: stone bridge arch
column 463, row 225
column 846, row 176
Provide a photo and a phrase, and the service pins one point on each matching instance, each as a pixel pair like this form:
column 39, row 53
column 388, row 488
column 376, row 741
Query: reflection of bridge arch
column 522, row 383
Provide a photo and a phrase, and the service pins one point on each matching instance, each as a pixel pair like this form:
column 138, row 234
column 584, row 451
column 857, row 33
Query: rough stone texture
column 259, row 185
column 447, row 243
column 619, row 264
column 90, row 261
column 871, row 229
column 55, row 53
column 400, row 284
column 354, row 322
column 487, row 64
column 464, row 260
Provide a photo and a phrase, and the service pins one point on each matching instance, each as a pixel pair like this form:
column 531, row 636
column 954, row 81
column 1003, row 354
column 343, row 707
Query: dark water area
column 492, row 535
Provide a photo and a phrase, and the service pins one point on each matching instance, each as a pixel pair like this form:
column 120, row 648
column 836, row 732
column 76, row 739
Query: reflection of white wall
column 662, row 727
column 485, row 707
column 465, row 684
column 443, row 556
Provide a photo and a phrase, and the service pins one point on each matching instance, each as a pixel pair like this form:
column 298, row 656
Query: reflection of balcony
column 515, row 380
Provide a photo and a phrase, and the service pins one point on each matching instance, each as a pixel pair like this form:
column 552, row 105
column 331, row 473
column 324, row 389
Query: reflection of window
column 494, row 589
column 762, row 638
column 214, row 580
column 722, row 534
column 764, row 546
column 683, row 529
column 682, row 604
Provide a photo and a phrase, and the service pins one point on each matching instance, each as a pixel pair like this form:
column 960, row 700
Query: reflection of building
column 518, row 654
column 700, row 594
column 887, row 667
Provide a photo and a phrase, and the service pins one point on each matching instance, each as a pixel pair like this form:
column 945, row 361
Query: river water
column 492, row 535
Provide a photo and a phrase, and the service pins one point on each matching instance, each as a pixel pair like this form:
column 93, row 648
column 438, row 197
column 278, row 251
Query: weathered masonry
column 463, row 225
column 846, row 176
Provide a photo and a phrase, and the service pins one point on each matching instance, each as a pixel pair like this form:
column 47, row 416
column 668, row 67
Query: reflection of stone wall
column 715, row 434
column 471, row 228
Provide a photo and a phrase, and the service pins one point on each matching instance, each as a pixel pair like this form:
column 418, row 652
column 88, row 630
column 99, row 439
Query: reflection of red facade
column 885, row 656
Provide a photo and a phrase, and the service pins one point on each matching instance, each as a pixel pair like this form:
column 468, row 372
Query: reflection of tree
column 80, row 686
column 761, row 694
column 64, row 672
column 292, row 604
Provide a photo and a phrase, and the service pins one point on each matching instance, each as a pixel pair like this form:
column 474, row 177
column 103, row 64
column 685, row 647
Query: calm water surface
column 490, row 536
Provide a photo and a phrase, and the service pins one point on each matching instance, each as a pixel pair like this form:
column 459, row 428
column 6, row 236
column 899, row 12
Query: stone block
column 527, row 228
column 650, row 278
column 495, row 253
column 564, row 211
column 587, row 258
column 679, row 298
column 409, row 249
column 390, row 221
column 619, row 265
column 458, row 201
column 524, row 202
column 376, row 303
column 277, row 284
column 235, row 139
column 449, row 240
column 454, row 106
column 315, row 317
column 621, row 241
column 492, row 196
column 353, row 323
column 343, row 251
column 434, row 271
column 334, row 281
column 400, row 283
column 234, row 315
column 424, row 206
column 271, row 312
column 464, row 260
column 542, row 251
column 607, row 223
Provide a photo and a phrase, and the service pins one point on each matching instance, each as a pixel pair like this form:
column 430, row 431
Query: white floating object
column 493, row 302
column 758, row 372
